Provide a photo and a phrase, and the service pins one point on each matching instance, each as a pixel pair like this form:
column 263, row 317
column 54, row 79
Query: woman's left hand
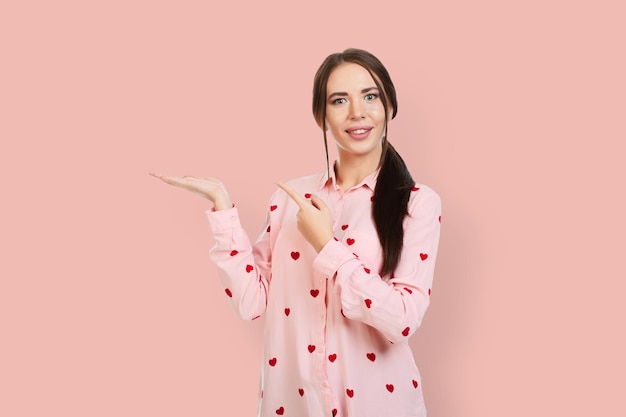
column 314, row 218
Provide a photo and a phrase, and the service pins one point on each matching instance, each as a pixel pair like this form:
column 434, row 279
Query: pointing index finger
column 299, row 200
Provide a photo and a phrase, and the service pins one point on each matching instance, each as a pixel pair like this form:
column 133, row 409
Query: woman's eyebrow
column 343, row 94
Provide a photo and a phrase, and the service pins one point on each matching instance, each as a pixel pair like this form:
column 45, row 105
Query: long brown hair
column 394, row 183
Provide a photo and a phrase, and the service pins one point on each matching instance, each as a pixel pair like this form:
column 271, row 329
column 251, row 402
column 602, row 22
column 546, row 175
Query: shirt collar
column 369, row 181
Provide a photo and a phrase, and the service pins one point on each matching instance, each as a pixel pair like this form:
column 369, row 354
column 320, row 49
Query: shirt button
column 324, row 384
column 321, row 282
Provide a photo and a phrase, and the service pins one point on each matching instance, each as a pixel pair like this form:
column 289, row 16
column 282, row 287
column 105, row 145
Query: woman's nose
column 356, row 110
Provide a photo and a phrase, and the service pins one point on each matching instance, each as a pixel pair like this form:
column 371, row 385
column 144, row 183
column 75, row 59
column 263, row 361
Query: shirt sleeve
column 395, row 306
column 243, row 268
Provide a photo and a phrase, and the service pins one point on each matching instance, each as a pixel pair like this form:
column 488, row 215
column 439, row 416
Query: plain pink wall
column 513, row 111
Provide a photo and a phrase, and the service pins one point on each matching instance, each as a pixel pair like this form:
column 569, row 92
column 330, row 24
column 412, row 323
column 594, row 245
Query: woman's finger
column 209, row 188
column 299, row 200
column 178, row 181
column 189, row 183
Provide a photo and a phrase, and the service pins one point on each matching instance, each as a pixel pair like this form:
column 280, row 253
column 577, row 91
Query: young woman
column 344, row 265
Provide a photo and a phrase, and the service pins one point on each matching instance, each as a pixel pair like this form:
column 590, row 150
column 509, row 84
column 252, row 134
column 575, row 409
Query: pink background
column 514, row 111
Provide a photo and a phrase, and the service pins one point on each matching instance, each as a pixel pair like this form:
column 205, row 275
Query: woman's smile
column 359, row 133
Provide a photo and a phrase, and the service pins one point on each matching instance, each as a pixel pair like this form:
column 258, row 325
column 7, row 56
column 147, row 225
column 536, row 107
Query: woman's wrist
column 222, row 203
column 321, row 243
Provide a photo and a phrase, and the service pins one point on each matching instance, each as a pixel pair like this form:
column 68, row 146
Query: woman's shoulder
column 424, row 190
column 422, row 194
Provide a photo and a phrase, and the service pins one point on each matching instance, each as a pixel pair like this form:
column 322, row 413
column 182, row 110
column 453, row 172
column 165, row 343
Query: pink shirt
column 336, row 332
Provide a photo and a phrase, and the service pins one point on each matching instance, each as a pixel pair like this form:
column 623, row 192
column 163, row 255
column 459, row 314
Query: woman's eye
column 339, row 101
column 371, row 97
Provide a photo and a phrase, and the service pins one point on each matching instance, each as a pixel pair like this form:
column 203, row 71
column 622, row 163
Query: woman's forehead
column 349, row 76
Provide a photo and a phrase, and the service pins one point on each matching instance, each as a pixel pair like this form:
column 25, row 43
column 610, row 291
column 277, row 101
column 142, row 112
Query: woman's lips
column 359, row 133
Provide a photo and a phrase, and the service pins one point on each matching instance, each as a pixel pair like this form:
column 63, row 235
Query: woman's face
column 355, row 114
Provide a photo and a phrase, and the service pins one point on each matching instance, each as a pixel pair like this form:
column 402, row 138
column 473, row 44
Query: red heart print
column 344, row 227
column 371, row 356
column 415, row 188
column 368, row 303
column 269, row 228
column 335, row 238
column 429, row 291
column 367, row 270
column 307, row 195
column 390, row 387
column 424, row 256
column 415, row 384
column 272, row 362
column 350, row 241
column 255, row 317
column 249, row 268
column 439, row 219
column 332, row 357
column 406, row 331
column 301, row 391
column 280, row 411
column 234, row 252
column 372, row 198
column 334, row 412
column 295, row 255
column 350, row 393
column 228, row 293
column 273, row 207
column 408, row 290
column 311, row 348
column 314, row 293
column 287, row 311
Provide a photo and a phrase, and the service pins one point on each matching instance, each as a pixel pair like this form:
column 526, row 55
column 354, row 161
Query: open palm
column 209, row 188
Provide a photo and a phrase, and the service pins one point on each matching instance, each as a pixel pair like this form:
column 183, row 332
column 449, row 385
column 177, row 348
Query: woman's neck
column 351, row 170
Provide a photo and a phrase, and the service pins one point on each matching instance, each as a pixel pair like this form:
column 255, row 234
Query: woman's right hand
column 209, row 188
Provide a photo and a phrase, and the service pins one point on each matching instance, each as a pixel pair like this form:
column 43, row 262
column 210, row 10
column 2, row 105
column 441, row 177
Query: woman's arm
column 394, row 307
column 243, row 269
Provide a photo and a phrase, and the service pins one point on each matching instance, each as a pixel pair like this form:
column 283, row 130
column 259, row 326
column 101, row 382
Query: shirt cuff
column 332, row 256
column 223, row 220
